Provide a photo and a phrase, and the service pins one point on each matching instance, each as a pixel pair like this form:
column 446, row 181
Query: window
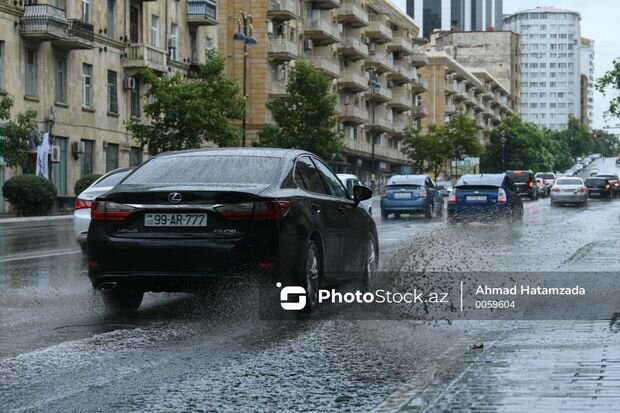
column 87, row 72
column 332, row 182
column 135, row 156
column 111, row 157
column 135, row 100
column 174, row 41
column 86, row 11
column 86, row 165
column 307, row 176
column 60, row 4
column 61, row 80
column 59, row 170
column 110, row 30
column 155, row 31
column 31, row 72
column 112, row 92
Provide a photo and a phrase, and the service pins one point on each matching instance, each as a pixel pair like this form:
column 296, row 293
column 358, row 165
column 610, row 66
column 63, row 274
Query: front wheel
column 384, row 214
column 371, row 264
column 312, row 273
column 122, row 299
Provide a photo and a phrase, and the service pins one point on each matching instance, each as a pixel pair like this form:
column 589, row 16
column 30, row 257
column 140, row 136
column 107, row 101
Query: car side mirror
column 361, row 193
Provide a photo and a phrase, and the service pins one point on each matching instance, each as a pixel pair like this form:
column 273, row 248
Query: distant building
column 587, row 71
column 460, row 15
column 550, row 65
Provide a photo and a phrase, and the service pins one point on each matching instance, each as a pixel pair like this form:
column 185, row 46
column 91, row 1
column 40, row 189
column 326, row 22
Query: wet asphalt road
column 179, row 352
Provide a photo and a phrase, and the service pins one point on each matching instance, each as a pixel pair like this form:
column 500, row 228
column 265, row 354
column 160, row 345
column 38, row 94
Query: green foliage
column 461, row 138
column 306, row 118
column 606, row 143
column 30, row 194
column 611, row 80
column 84, row 182
column 184, row 114
column 17, row 137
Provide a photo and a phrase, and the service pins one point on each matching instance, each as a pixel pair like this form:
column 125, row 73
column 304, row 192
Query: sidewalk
column 8, row 219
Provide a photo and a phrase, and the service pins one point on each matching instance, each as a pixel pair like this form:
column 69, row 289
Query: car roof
column 407, row 179
column 266, row 152
column 482, row 179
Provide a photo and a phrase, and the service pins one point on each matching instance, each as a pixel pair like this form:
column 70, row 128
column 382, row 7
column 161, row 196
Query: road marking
column 461, row 296
column 44, row 254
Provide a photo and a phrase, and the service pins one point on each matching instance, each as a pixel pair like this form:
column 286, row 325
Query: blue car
column 485, row 197
column 411, row 194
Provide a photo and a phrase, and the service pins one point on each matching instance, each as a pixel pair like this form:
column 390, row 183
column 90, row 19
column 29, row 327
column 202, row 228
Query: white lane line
column 43, row 254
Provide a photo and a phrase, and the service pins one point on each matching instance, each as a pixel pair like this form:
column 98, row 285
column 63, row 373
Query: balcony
column 400, row 125
column 282, row 10
column 379, row 123
column 480, row 123
column 80, row 35
column 379, row 32
column 353, row 81
column 365, row 147
column 450, row 109
column 419, row 59
column 401, row 72
column 201, row 12
column 381, row 62
column 419, row 111
column 322, row 31
column 400, row 44
column 282, row 50
column 277, row 88
column 353, row 48
column 352, row 15
column 419, row 85
column 142, row 56
column 353, row 114
column 326, row 4
column 43, row 22
column 451, row 88
column 329, row 66
column 379, row 94
column 401, row 99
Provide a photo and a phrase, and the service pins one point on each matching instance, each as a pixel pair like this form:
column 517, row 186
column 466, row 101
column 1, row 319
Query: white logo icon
column 293, row 292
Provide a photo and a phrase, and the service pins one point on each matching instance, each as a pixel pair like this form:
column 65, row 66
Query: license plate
column 476, row 198
column 402, row 195
column 175, row 220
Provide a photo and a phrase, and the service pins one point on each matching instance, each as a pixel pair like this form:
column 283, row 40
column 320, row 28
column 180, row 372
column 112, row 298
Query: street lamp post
column 374, row 86
column 244, row 35
column 503, row 141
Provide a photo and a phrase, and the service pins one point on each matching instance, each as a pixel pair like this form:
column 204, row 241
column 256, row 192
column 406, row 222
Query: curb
column 35, row 219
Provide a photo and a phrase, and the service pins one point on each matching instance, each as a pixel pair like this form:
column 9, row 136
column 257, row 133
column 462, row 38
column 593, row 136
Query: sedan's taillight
column 583, row 189
column 81, row 204
column 422, row 193
column 531, row 184
column 264, row 211
column 452, row 197
column 110, row 211
column 501, row 196
column 383, row 194
column 555, row 189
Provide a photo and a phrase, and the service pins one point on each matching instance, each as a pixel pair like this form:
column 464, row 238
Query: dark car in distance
column 485, row 197
column 525, row 182
column 182, row 218
column 614, row 181
column 599, row 187
column 411, row 194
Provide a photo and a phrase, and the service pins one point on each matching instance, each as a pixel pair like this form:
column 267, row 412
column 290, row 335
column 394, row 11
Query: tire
column 452, row 220
column 119, row 300
column 430, row 211
column 384, row 214
column 371, row 264
column 553, row 204
column 313, row 267
column 84, row 248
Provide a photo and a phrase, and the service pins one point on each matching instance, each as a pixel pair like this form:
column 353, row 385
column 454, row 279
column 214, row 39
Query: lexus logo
column 174, row 197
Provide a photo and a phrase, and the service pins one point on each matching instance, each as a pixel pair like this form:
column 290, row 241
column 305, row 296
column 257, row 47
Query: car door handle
column 316, row 207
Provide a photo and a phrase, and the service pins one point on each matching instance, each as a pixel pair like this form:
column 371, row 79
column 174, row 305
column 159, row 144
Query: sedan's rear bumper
column 480, row 212
column 404, row 205
column 569, row 198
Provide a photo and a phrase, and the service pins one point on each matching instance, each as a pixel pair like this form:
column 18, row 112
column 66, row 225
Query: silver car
column 349, row 181
column 569, row 191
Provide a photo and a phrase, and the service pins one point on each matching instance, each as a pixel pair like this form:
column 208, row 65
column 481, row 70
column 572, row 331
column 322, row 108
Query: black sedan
column 599, row 188
column 183, row 218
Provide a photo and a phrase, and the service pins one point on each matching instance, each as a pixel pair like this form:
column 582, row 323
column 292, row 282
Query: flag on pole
column 42, row 158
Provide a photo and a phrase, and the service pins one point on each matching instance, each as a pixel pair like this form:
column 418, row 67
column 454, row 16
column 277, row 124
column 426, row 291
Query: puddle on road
column 93, row 328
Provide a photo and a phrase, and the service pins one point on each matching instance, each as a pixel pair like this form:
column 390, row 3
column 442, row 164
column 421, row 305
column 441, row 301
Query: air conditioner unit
column 308, row 44
column 347, row 100
column 55, row 154
column 78, row 147
column 372, row 47
column 129, row 83
column 269, row 27
column 390, row 84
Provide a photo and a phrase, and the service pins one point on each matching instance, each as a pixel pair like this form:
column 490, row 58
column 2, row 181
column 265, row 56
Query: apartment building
column 550, row 65
column 77, row 63
column 367, row 47
column 587, row 78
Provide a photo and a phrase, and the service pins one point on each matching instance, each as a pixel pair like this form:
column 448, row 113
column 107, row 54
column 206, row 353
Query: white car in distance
column 349, row 181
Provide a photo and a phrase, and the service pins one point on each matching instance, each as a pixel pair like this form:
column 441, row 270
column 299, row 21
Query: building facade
column 367, row 48
column 458, row 15
column 587, row 72
column 497, row 52
column 550, row 65
column 77, row 64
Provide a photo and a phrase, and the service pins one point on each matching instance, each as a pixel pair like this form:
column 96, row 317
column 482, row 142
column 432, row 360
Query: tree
column 426, row 148
column 578, row 137
column 306, row 118
column 605, row 143
column 611, row 80
column 186, row 114
column 461, row 138
column 17, row 138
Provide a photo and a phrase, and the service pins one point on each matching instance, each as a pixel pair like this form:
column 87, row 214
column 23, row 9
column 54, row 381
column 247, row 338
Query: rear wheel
column 430, row 211
column 372, row 263
column 122, row 299
column 84, row 248
column 312, row 273
column 384, row 214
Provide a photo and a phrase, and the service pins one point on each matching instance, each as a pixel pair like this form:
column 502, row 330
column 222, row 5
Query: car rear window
column 112, row 179
column 546, row 176
column 519, row 177
column 210, row 170
column 595, row 182
column 398, row 187
column 568, row 182
column 612, row 177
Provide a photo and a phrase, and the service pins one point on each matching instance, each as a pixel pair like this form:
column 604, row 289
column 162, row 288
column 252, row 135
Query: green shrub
column 30, row 194
column 84, row 182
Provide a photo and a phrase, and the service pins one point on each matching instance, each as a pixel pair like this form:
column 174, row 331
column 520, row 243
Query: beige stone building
column 76, row 62
column 367, row 47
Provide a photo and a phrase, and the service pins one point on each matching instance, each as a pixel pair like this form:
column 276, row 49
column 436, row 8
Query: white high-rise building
column 550, row 65
column 587, row 70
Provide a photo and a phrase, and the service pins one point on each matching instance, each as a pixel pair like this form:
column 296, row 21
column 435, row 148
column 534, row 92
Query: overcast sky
column 599, row 21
